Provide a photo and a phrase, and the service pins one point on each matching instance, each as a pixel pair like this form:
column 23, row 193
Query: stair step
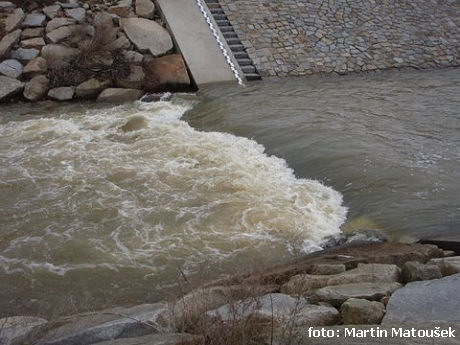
column 211, row 1
column 213, row 5
column 220, row 16
column 252, row 76
column 226, row 28
column 240, row 55
column 237, row 48
column 233, row 41
column 230, row 35
column 217, row 10
column 244, row 62
column 248, row 69
column 221, row 22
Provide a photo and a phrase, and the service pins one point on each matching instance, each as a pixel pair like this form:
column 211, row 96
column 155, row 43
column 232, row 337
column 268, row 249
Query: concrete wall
column 300, row 37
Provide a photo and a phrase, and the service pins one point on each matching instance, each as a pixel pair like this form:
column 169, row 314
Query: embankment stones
column 425, row 301
column 15, row 329
column 14, row 20
column 9, row 87
column 145, row 8
column 36, row 88
column 62, row 93
column 24, row 54
column 57, row 52
column 158, row 339
column 166, row 73
column 118, row 95
column 448, row 266
column 147, row 35
column 11, row 68
column 36, row 66
column 34, row 20
column 8, row 41
column 413, row 270
column 356, row 311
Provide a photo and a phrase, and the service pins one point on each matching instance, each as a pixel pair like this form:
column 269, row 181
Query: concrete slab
column 196, row 42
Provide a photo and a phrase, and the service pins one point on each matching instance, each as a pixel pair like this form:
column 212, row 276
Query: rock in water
column 118, row 95
column 36, row 88
column 414, row 270
column 15, row 329
column 9, row 87
column 91, row 88
column 425, row 301
column 147, row 35
column 167, row 73
column 62, row 93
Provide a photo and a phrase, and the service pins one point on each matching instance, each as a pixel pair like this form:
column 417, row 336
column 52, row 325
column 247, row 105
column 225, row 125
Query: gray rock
column 89, row 328
column 51, row 11
column 102, row 18
column 35, row 67
column 134, row 80
column 425, row 301
column 357, row 311
column 62, row 93
column 58, row 22
column 8, row 41
column 57, row 52
column 120, row 43
column 9, row 87
column 6, row 4
column 306, row 283
column 36, row 88
column 91, row 88
column 76, row 13
column 24, row 54
column 14, row 329
column 326, row 269
column 413, row 270
column 36, row 42
column 118, row 95
column 31, row 33
column 157, row 339
column 280, row 308
column 11, row 68
column 338, row 294
column 145, row 8
column 34, row 19
column 61, row 33
column 69, row 4
column 132, row 56
column 147, row 35
column 448, row 266
column 14, row 20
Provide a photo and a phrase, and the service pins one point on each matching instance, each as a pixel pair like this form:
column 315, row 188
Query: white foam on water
column 145, row 189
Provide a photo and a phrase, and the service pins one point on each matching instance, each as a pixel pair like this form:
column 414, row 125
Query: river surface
column 110, row 205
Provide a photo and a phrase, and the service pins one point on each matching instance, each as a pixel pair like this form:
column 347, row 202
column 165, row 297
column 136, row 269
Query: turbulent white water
column 134, row 186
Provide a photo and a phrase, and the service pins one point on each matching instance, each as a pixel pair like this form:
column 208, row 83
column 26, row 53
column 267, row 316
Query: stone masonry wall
column 300, row 37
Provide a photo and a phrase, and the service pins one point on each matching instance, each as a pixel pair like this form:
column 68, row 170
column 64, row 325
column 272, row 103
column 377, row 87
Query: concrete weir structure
column 196, row 42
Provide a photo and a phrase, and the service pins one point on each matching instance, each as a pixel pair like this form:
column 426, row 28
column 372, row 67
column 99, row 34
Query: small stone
column 37, row 42
column 51, row 11
column 58, row 22
column 91, row 88
column 413, row 270
column 120, row 43
column 34, row 19
column 36, row 88
column 78, row 14
column 69, row 4
column 32, row 33
column 118, row 95
column 24, row 54
column 62, row 93
column 398, row 60
column 11, row 68
column 36, row 66
column 145, row 8
column 8, row 41
column 357, row 311
column 14, row 20
column 61, row 33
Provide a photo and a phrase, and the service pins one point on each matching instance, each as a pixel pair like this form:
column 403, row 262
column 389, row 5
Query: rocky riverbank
column 95, row 49
column 386, row 284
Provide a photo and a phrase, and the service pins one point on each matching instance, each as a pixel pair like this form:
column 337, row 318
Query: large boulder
column 158, row 339
column 425, row 301
column 166, row 73
column 37, row 66
column 356, row 311
column 36, row 88
column 11, row 68
column 413, row 270
column 134, row 80
column 145, row 8
column 89, row 328
column 14, row 329
column 14, row 20
column 62, row 93
column 147, row 35
column 280, row 308
column 369, row 273
column 338, row 294
column 91, row 88
column 56, row 52
column 448, row 266
column 9, row 87
column 8, row 41
column 119, row 95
